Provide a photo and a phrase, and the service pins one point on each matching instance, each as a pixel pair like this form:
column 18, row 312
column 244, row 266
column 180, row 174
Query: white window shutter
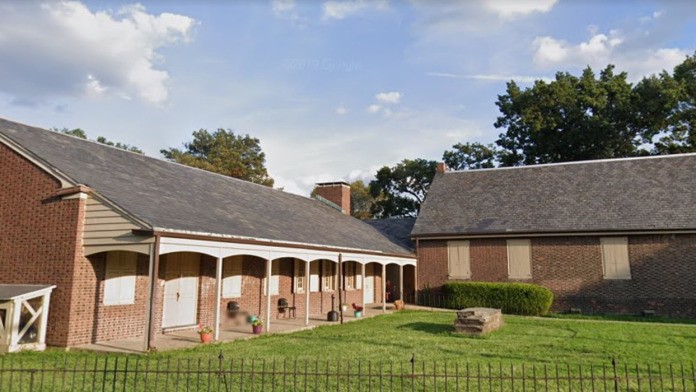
column 120, row 278
column 275, row 277
column 232, row 278
column 314, row 277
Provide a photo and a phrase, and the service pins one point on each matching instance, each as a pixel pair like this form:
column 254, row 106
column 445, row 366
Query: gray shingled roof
column 652, row 193
column 171, row 196
column 396, row 229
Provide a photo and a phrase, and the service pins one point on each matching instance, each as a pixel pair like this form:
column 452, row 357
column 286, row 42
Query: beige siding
column 459, row 261
column 105, row 226
column 519, row 259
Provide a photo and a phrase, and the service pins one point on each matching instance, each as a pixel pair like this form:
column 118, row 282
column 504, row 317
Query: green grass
column 619, row 317
column 573, row 344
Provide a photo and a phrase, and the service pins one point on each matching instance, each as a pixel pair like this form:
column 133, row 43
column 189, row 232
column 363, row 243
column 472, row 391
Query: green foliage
column 361, row 201
column 511, row 298
column 470, row 156
column 225, row 153
column 400, row 190
column 123, row 146
column 77, row 132
column 568, row 119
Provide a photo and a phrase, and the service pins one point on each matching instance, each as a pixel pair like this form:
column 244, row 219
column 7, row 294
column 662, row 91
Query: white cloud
column 341, row 110
column 335, row 9
column 374, row 108
column 84, row 52
column 281, row 7
column 600, row 49
column 508, row 9
column 491, row 77
column 392, row 97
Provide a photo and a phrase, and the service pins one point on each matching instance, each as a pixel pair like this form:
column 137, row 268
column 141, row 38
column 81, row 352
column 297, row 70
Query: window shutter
column 459, row 262
column 120, row 278
column 300, row 273
column 275, row 277
column 232, row 278
column 615, row 261
column 314, row 277
column 519, row 259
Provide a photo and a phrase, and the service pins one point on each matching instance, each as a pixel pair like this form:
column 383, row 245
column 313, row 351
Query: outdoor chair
column 285, row 309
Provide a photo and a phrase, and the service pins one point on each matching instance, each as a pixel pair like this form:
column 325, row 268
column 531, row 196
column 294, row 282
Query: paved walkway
column 188, row 338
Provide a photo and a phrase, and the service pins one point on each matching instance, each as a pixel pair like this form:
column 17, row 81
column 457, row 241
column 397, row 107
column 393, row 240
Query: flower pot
column 357, row 313
column 257, row 329
column 206, row 337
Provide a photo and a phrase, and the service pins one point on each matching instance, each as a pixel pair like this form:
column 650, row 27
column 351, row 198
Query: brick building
column 615, row 236
column 138, row 246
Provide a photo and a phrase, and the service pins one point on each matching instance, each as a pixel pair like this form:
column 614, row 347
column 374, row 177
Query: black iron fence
column 142, row 373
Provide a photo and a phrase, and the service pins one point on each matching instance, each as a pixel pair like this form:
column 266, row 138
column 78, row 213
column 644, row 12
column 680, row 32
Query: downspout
column 341, row 284
column 154, row 278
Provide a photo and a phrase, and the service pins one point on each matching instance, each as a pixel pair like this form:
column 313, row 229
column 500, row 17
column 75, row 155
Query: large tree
column 224, row 152
column 568, row 119
column 400, row 190
column 361, row 201
column 471, row 156
column 77, row 132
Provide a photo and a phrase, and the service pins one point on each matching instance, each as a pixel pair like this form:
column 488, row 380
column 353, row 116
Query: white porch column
column 218, row 295
column 401, row 282
column 307, row 288
column 13, row 329
column 269, row 271
column 384, row 288
column 362, row 300
column 43, row 318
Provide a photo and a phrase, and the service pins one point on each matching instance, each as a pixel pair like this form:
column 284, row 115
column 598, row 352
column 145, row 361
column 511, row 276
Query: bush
column 511, row 298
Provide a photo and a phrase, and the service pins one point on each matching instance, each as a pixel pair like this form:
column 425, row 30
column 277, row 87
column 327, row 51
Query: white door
column 369, row 289
column 180, row 290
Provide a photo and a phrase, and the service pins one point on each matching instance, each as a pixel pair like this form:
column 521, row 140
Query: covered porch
column 185, row 282
column 188, row 338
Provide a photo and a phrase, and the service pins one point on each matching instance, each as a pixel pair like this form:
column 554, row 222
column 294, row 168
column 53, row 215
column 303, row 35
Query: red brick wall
column 663, row 269
column 117, row 321
column 39, row 238
column 338, row 194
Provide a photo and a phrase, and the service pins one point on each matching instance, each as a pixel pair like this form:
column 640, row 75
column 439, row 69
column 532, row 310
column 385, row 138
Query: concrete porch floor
column 188, row 338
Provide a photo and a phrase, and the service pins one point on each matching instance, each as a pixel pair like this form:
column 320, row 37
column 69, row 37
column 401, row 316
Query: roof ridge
column 143, row 155
column 587, row 161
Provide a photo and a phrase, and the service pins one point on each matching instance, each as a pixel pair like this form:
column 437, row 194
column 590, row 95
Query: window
column 615, row 262
column 519, row 259
column 314, row 277
column 349, row 270
column 328, row 275
column 299, row 284
column 275, row 278
column 458, row 260
column 232, row 277
column 119, row 283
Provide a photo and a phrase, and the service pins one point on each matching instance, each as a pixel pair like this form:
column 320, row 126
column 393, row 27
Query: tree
column 226, row 153
column 568, row 119
column 471, row 156
column 361, row 201
column 123, row 146
column 77, row 132
column 400, row 190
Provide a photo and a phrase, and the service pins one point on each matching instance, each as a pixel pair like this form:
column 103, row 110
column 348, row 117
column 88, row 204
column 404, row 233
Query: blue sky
column 333, row 89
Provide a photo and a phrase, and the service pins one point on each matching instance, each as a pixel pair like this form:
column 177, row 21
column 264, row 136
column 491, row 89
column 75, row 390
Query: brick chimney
column 335, row 192
column 441, row 167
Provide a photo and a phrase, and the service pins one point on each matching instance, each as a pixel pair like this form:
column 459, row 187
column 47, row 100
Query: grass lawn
column 429, row 335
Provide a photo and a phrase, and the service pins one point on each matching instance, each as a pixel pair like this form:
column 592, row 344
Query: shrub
column 511, row 298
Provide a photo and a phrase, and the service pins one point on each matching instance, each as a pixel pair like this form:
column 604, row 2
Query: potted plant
column 206, row 333
column 344, row 307
column 257, row 326
column 357, row 311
